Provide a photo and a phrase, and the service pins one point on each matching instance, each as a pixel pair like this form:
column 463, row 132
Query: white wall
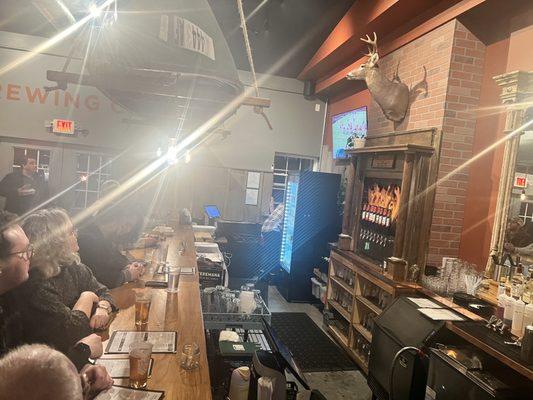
column 297, row 127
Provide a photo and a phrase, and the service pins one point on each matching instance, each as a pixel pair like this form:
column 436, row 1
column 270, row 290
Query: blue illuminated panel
column 291, row 196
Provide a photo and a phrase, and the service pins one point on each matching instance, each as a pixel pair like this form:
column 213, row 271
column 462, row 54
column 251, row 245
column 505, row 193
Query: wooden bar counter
column 180, row 312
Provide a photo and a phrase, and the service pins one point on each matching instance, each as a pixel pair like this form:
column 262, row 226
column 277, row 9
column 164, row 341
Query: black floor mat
column 311, row 348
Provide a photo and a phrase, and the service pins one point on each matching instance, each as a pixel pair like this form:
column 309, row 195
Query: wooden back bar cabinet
column 387, row 215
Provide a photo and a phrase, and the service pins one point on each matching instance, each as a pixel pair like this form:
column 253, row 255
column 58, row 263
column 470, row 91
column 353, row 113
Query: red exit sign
column 64, row 126
column 520, row 181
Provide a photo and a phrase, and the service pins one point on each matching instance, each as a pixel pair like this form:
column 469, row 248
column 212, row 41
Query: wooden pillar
column 404, row 204
column 348, row 198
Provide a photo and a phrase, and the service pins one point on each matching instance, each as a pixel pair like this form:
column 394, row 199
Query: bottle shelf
column 363, row 331
column 339, row 335
column 367, row 303
column 342, row 284
column 345, row 314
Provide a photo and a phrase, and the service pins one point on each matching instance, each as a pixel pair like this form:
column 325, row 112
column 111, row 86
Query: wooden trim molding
column 517, row 94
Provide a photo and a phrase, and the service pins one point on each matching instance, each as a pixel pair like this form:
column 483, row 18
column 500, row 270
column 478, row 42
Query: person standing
column 23, row 189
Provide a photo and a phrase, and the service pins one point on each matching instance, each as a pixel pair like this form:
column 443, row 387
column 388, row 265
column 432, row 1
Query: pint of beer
column 143, row 300
column 140, row 353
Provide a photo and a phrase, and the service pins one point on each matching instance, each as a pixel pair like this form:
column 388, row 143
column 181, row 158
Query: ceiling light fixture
column 172, row 152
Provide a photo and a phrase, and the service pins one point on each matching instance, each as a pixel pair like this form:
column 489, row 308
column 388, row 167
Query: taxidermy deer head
column 392, row 96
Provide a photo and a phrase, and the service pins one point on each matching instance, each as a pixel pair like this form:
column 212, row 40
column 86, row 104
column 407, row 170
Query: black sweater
column 100, row 255
column 43, row 308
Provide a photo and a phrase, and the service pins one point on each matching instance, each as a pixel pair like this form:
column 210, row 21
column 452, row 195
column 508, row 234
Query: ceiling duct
column 165, row 60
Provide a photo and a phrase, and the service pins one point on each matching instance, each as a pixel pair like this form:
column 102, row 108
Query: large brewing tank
column 165, row 60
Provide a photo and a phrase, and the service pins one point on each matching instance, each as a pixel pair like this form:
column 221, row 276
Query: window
column 283, row 164
column 526, row 211
column 92, row 170
column 40, row 155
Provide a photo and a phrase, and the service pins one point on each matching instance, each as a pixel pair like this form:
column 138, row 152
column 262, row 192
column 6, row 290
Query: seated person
column 516, row 233
column 55, row 306
column 525, row 247
column 37, row 372
column 98, row 239
column 15, row 254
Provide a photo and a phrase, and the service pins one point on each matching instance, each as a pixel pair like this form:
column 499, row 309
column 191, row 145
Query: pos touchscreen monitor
column 212, row 211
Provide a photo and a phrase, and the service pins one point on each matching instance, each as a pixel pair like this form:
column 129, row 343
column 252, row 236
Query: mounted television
column 350, row 123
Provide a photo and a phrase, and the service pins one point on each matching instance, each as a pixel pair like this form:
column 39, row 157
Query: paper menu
column 424, row 303
column 119, row 367
column 120, row 341
column 123, row 393
column 441, row 314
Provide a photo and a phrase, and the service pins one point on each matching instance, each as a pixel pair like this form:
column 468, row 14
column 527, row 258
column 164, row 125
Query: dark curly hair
column 6, row 221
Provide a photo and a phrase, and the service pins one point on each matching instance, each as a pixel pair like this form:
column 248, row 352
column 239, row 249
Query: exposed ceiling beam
column 335, row 81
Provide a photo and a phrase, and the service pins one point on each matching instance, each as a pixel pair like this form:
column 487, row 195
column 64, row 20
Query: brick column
column 461, row 101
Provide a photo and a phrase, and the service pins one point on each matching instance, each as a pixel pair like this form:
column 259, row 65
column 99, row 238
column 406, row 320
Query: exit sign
column 64, row 126
column 520, row 181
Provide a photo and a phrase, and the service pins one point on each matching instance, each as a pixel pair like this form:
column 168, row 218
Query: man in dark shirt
column 97, row 240
column 23, row 189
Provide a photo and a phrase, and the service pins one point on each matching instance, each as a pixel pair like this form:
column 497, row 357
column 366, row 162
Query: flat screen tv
column 350, row 123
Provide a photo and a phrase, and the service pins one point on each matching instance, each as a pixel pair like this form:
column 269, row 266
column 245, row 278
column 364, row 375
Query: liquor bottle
column 528, row 315
column 387, row 218
column 518, row 318
column 517, row 282
column 527, row 294
column 379, row 218
column 364, row 216
column 508, row 310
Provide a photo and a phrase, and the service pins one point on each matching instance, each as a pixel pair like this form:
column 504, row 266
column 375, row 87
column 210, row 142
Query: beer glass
column 173, row 274
column 143, row 300
column 162, row 254
column 140, row 354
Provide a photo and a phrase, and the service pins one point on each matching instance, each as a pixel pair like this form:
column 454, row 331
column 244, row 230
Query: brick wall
column 432, row 51
column 453, row 58
column 462, row 98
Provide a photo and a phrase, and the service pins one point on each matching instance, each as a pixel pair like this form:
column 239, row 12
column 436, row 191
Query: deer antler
column 373, row 48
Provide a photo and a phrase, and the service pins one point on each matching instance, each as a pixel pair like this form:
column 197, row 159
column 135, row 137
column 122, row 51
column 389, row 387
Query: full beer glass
column 140, row 354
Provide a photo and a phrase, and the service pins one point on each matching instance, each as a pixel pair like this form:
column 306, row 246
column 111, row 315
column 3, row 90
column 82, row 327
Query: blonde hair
column 48, row 231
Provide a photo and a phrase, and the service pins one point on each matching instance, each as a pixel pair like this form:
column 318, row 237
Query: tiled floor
column 335, row 385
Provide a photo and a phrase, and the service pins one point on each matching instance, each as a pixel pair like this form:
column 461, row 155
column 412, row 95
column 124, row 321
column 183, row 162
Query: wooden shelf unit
column 340, row 310
column 342, row 284
column 405, row 165
column 368, row 304
column 365, row 274
column 363, row 331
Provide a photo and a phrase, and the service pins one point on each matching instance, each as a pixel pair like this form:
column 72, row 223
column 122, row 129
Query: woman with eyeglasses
column 15, row 254
column 61, row 302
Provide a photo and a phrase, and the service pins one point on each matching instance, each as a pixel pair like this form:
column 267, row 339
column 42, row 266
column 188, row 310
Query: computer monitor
column 212, row 211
